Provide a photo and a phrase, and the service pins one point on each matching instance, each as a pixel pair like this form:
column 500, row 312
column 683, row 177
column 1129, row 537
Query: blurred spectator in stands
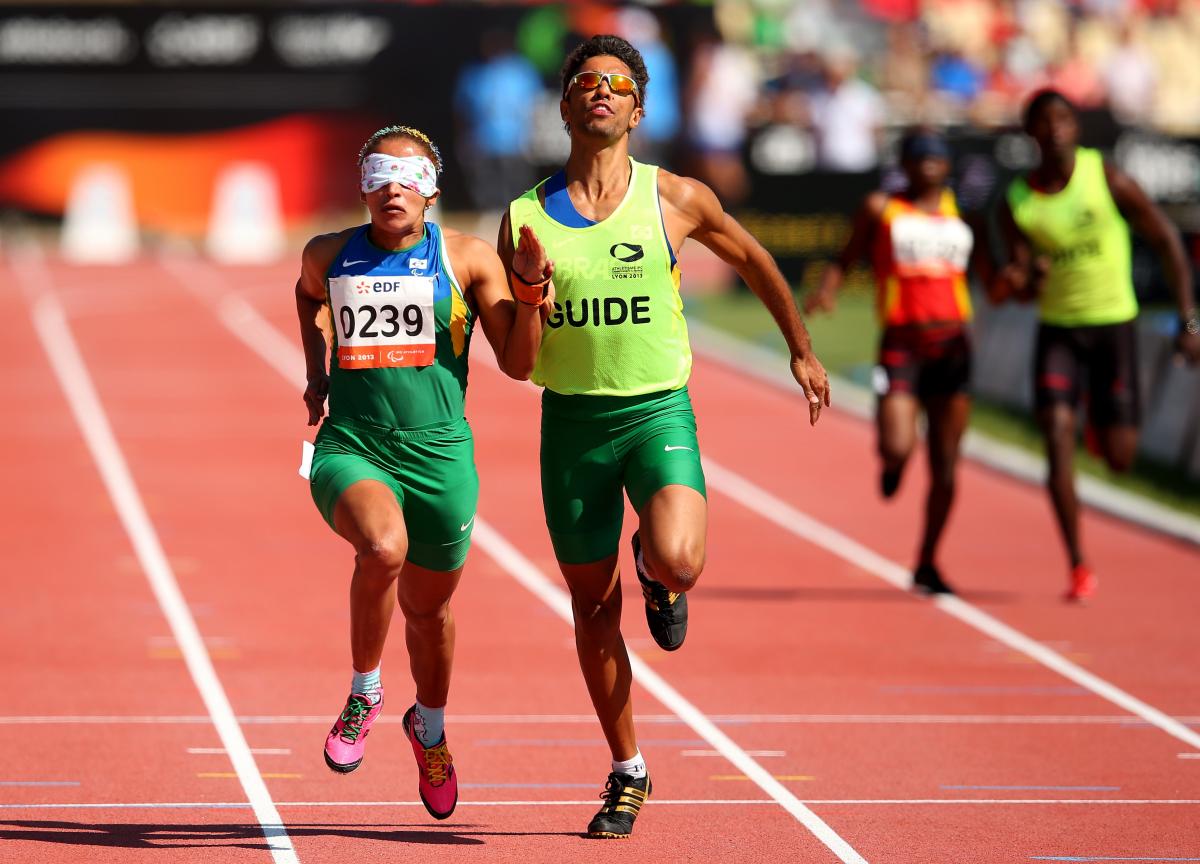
column 722, row 94
column 954, row 76
column 847, row 115
column 1131, row 78
column 904, row 71
column 494, row 102
column 656, row 133
column 1076, row 76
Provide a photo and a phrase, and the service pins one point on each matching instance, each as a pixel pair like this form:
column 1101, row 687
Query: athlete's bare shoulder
column 470, row 256
column 683, row 192
column 875, row 203
column 316, row 260
column 689, row 200
column 320, row 251
column 466, row 247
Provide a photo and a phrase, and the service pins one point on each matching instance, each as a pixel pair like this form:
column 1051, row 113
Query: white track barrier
column 99, row 226
column 246, row 226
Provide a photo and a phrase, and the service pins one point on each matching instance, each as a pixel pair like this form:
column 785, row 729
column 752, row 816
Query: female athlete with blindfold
column 920, row 248
column 393, row 471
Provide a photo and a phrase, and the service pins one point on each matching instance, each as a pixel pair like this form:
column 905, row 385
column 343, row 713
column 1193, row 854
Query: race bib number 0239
column 383, row 321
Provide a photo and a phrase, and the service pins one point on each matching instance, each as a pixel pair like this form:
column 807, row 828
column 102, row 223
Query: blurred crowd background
column 237, row 126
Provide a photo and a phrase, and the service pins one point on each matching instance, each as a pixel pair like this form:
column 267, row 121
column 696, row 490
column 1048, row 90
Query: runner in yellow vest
column 1066, row 230
column 615, row 361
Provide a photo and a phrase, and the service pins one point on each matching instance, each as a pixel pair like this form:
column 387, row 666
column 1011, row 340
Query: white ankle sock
column 366, row 683
column 634, row 767
column 429, row 724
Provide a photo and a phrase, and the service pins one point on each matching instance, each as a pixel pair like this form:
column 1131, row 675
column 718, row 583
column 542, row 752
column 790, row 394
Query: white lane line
column 526, row 573
column 1125, row 720
column 288, row 360
column 682, row 802
column 65, row 358
column 818, row 533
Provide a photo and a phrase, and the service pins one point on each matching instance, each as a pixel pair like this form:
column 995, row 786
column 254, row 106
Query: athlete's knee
column 432, row 618
column 382, row 557
column 894, row 452
column 678, row 568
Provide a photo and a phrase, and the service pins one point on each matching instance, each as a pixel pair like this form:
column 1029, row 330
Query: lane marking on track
column 681, row 802
column 39, row 782
column 789, row 518
column 50, row 322
column 216, row 775
column 715, row 753
column 1035, row 788
column 1189, row 755
column 257, row 751
column 251, row 328
column 528, row 575
column 664, row 719
column 785, row 777
column 576, row 742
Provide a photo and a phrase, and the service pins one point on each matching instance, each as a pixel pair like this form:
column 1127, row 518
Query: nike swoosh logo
column 466, row 525
column 669, row 448
column 352, row 263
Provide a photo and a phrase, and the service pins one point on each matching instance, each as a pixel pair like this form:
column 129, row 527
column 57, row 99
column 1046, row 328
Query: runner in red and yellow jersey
column 919, row 247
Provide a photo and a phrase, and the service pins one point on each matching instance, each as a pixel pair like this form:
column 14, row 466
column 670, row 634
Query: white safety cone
column 99, row 226
column 246, row 226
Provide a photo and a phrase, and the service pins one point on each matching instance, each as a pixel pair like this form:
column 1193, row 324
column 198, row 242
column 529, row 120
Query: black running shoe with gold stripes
column 666, row 611
column 623, row 798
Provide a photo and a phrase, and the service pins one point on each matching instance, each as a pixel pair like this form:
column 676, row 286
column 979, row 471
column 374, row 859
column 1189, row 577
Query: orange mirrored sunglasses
column 618, row 84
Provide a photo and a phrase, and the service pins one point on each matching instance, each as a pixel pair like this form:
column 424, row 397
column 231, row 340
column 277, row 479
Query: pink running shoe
column 347, row 740
column 438, row 784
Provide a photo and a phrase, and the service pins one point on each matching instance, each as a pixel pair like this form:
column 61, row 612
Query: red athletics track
column 910, row 734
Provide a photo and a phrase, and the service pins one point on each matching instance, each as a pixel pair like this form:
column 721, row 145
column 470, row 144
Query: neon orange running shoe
column 438, row 782
column 1083, row 583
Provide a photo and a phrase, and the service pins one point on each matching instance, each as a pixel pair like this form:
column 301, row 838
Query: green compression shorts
column 430, row 471
column 593, row 447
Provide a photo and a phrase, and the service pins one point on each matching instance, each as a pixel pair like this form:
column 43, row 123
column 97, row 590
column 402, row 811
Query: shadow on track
column 130, row 835
column 833, row 594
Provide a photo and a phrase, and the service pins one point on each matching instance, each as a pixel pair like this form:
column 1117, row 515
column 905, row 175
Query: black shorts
column 924, row 361
column 1100, row 360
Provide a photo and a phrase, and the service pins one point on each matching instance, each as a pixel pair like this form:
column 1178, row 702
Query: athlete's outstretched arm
column 513, row 329
column 1020, row 274
column 1149, row 221
column 311, row 298
column 866, row 220
column 692, row 208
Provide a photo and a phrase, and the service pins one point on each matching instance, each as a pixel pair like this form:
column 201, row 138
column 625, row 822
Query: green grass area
column 846, row 343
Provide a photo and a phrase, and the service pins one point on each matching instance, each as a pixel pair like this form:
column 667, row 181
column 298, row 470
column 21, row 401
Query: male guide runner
column 614, row 361
column 1066, row 232
column 393, row 470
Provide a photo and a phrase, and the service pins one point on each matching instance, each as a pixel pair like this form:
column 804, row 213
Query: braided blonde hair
column 410, row 132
